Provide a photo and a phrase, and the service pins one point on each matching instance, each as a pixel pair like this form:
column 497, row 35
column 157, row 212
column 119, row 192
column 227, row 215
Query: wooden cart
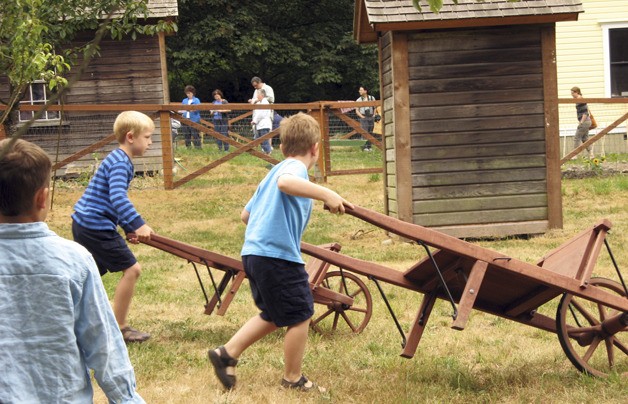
column 591, row 320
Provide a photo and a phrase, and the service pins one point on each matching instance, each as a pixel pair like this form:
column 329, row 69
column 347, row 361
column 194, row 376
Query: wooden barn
column 470, row 110
column 126, row 72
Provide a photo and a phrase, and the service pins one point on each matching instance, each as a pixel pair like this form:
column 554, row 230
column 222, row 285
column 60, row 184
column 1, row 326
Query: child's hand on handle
column 142, row 234
column 336, row 203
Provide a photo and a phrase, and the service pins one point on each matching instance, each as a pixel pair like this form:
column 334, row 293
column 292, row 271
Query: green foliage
column 303, row 49
column 35, row 39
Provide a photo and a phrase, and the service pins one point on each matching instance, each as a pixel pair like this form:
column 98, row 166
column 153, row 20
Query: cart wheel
column 590, row 349
column 332, row 316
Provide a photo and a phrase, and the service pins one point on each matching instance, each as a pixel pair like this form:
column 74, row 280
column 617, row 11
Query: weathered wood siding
column 126, row 72
column 388, row 135
column 477, row 128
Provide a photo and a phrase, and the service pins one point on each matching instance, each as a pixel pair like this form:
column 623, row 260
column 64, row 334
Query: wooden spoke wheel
column 594, row 336
column 332, row 316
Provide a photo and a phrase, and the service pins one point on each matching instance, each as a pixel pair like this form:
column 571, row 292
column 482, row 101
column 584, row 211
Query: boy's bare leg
column 124, row 293
column 253, row 330
column 294, row 349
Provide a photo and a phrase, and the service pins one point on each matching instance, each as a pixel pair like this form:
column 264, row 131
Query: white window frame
column 48, row 117
column 606, row 27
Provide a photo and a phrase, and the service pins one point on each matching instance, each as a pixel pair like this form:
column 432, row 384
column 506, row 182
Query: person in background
column 220, row 120
column 281, row 205
column 378, row 123
column 365, row 115
column 584, row 122
column 105, row 205
column 56, row 322
column 191, row 134
column 262, row 121
column 258, row 84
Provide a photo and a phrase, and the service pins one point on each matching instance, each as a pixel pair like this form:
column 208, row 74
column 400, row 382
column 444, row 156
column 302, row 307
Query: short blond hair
column 298, row 133
column 131, row 121
column 25, row 168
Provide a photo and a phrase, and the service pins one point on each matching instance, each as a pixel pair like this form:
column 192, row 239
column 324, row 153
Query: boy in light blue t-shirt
column 276, row 217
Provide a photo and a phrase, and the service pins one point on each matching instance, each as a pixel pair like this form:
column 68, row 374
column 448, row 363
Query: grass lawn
column 492, row 360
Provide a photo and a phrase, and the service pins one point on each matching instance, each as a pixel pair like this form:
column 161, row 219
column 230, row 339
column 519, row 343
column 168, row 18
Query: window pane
column 39, row 91
column 618, row 39
column 25, row 115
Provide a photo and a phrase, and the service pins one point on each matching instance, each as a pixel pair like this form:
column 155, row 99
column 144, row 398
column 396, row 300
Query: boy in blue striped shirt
column 105, row 205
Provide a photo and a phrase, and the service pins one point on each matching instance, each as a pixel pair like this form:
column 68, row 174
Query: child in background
column 56, row 321
column 105, row 205
column 276, row 217
column 191, row 134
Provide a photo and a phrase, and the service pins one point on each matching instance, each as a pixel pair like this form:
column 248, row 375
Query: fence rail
column 336, row 119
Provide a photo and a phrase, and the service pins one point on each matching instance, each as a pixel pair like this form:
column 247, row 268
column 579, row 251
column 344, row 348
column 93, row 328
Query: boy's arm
column 244, row 215
column 100, row 340
column 293, row 185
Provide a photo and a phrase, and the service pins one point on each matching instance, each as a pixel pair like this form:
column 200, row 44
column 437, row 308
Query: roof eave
column 368, row 33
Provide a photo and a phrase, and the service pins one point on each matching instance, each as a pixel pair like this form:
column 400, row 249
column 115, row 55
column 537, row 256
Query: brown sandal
column 221, row 362
column 301, row 385
column 130, row 334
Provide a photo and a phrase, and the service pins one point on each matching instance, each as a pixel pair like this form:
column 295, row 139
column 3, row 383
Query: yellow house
column 592, row 53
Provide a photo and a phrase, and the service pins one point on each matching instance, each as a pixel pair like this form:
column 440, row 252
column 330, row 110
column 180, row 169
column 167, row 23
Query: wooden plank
column 481, row 203
column 506, row 68
column 464, row 151
column 166, row 149
column 478, row 177
column 478, row 110
column 552, row 139
column 480, row 163
column 481, row 216
column 470, row 293
column 494, row 229
column 163, row 67
column 478, row 190
column 477, row 97
column 455, row 124
column 476, row 39
column 476, row 83
column 401, row 122
column 464, row 57
column 418, row 326
column 479, row 137
column 231, row 292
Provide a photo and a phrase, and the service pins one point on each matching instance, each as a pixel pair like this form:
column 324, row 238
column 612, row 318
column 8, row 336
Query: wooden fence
column 164, row 113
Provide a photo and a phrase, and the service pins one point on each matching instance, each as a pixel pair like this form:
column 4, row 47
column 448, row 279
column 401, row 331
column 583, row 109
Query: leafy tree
column 303, row 49
column 35, row 39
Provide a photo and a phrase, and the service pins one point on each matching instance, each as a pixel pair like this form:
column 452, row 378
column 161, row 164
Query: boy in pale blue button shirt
column 56, row 321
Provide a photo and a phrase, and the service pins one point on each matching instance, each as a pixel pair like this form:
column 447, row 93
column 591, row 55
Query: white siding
column 580, row 47
column 580, row 59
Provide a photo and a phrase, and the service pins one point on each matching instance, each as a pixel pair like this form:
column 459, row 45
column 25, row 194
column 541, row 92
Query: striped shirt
column 105, row 203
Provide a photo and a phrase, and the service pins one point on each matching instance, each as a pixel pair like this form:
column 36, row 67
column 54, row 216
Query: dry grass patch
column 492, row 360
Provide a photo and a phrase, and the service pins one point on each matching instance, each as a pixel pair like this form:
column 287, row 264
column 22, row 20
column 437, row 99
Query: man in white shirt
column 258, row 84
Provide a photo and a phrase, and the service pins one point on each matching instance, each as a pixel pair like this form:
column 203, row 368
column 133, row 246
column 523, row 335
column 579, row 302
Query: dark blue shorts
column 280, row 289
column 108, row 248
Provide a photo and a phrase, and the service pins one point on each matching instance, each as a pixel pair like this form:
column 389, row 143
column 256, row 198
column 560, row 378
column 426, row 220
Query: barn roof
column 372, row 16
column 163, row 8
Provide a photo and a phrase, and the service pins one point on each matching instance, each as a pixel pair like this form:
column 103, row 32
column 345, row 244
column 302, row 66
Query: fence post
column 166, row 148
column 323, row 154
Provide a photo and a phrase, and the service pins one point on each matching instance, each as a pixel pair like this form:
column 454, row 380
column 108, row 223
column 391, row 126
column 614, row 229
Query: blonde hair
column 131, row 121
column 298, row 133
column 576, row 90
column 24, row 170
